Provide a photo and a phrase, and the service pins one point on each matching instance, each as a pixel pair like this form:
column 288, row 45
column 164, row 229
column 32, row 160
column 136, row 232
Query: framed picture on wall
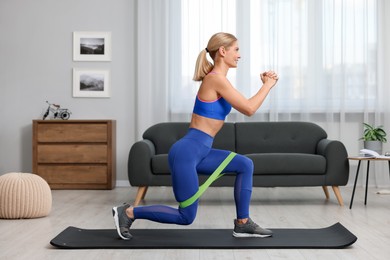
column 94, row 83
column 91, row 46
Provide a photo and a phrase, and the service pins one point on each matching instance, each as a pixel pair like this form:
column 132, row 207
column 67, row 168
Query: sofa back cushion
column 164, row 135
column 278, row 137
column 225, row 139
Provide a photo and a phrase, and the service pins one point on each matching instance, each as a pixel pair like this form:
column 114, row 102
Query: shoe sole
column 116, row 219
column 241, row 235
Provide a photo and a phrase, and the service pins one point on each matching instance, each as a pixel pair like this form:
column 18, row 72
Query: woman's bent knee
column 188, row 214
column 187, row 221
column 246, row 164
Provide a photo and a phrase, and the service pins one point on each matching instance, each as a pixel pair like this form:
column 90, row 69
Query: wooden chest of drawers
column 75, row 154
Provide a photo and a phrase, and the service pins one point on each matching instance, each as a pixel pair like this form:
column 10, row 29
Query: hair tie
column 206, row 50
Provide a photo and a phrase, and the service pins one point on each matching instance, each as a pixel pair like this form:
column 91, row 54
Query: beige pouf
column 24, row 195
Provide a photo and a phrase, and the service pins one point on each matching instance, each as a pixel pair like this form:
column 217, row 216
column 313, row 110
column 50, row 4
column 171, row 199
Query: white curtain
column 331, row 56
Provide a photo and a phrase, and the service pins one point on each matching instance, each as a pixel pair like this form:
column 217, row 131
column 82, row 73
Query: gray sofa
column 285, row 154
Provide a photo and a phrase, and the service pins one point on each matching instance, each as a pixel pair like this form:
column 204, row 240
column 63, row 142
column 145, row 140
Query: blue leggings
column 192, row 155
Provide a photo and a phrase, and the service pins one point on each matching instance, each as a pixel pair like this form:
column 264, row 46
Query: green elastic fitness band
column 213, row 177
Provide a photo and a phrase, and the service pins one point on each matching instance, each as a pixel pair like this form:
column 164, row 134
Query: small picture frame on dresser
column 92, row 83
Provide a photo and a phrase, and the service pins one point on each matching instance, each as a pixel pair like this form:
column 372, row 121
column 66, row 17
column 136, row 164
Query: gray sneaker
column 122, row 221
column 250, row 229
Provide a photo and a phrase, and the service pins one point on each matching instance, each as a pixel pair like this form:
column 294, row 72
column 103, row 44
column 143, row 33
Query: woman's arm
column 246, row 106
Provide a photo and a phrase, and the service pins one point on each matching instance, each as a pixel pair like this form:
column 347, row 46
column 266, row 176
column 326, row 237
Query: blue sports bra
column 217, row 109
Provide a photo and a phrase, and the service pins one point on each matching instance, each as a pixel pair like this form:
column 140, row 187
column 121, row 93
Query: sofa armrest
column 139, row 164
column 337, row 164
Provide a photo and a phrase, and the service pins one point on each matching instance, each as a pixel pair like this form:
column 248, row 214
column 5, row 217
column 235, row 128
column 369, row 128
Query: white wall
column 36, row 63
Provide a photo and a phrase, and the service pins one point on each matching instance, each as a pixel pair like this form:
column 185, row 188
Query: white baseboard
column 120, row 183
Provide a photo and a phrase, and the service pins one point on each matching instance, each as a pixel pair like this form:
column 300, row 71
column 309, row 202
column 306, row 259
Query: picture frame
column 91, row 46
column 91, row 83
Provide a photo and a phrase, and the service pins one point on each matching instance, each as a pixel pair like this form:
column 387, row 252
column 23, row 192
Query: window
column 324, row 51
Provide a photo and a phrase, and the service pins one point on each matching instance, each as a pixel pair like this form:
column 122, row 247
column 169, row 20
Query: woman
column 193, row 153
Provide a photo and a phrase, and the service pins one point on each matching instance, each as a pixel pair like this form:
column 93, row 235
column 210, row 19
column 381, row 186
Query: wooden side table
column 368, row 159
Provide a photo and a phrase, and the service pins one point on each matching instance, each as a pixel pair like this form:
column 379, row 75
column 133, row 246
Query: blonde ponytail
column 202, row 67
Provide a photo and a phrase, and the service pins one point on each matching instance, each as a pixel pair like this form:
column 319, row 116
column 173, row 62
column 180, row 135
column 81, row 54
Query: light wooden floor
column 270, row 207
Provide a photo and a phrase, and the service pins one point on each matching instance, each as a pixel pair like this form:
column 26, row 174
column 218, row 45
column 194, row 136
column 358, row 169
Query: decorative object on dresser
column 57, row 111
column 75, row 154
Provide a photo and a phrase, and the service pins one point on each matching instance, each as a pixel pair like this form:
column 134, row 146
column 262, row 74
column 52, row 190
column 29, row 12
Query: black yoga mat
column 335, row 236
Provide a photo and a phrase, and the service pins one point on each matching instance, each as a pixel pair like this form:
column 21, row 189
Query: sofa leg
column 336, row 191
column 146, row 190
column 326, row 191
column 140, row 194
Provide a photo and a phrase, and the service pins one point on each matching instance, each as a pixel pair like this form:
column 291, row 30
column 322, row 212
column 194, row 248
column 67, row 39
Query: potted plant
column 373, row 137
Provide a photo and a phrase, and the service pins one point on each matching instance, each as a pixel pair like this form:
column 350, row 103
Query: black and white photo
column 92, row 46
column 91, row 83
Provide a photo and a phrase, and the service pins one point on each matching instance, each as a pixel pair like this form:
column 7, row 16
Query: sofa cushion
column 225, row 139
column 160, row 165
column 288, row 163
column 278, row 137
column 164, row 135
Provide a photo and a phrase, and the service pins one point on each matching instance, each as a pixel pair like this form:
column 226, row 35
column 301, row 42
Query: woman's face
column 232, row 55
